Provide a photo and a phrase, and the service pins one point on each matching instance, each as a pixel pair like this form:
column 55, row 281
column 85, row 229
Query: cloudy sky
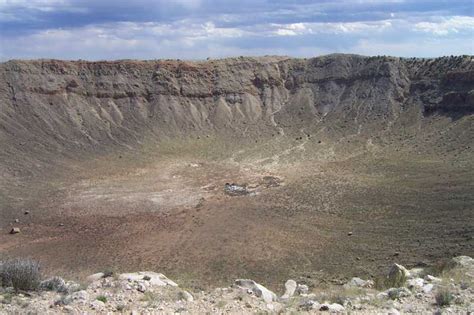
column 196, row 29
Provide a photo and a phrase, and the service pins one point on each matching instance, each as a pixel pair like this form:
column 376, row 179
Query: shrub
column 108, row 273
column 21, row 274
column 444, row 297
column 101, row 298
column 54, row 284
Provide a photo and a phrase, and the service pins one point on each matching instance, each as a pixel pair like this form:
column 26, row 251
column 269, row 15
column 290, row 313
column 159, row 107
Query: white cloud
column 193, row 39
column 445, row 26
column 31, row 4
column 330, row 28
column 190, row 4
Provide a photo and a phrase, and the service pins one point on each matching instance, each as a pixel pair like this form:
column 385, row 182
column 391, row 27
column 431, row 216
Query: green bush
column 101, row 298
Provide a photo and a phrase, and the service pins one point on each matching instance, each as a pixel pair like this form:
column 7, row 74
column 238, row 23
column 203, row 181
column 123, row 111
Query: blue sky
column 197, row 29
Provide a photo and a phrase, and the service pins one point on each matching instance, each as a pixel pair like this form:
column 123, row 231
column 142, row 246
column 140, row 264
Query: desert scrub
column 151, row 299
column 54, row 284
column 221, row 304
column 383, row 283
column 7, row 298
column 102, row 298
column 339, row 295
column 21, row 274
column 108, row 273
column 444, row 297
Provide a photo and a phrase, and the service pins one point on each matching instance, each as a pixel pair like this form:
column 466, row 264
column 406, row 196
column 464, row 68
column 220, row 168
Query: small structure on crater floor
column 235, row 190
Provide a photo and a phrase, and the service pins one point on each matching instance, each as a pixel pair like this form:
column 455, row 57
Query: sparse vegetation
column 221, row 304
column 7, row 298
column 54, row 284
column 444, row 297
column 21, row 274
column 338, row 295
column 108, row 273
column 151, row 299
column 102, row 298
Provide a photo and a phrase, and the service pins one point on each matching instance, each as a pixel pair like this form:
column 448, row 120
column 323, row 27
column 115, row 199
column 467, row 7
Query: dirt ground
column 313, row 219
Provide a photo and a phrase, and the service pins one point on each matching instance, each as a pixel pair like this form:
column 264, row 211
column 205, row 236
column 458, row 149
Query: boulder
column 302, row 289
column 15, row 230
column 257, row 289
column 141, row 287
column 415, row 283
column 95, row 277
column 155, row 279
column 433, row 279
column 393, row 311
column 359, row 283
column 186, row 296
column 290, row 289
column 428, row 288
column 332, row 308
column 461, row 262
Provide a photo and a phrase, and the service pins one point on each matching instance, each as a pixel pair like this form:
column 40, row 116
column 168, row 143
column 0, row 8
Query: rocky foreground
column 410, row 291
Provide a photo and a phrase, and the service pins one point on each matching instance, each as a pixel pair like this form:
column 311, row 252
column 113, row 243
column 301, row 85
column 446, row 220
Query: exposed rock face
column 156, row 279
column 128, row 294
column 57, row 106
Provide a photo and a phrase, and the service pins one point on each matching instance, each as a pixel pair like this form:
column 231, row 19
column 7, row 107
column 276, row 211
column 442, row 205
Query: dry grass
column 444, row 297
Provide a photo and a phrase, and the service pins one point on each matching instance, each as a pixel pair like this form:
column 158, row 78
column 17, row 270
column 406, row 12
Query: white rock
column 80, row 296
column 95, row 277
column 290, row 288
column 430, row 278
column 186, row 296
column 415, row 283
column 69, row 309
column 428, row 288
column 393, row 311
column 382, row 296
column 302, row 289
column 97, row 305
column 332, row 308
column 462, row 261
column 359, row 283
column 258, row 289
column 416, row 273
column 156, row 279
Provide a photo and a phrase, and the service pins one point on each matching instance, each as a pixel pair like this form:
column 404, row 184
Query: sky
column 198, row 29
